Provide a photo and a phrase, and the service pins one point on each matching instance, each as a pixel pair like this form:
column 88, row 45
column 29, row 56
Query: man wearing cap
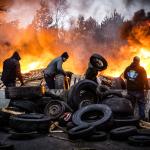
column 54, row 68
column 11, row 70
column 136, row 77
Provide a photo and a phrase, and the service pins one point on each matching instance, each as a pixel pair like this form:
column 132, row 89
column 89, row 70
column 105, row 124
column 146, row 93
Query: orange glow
column 38, row 48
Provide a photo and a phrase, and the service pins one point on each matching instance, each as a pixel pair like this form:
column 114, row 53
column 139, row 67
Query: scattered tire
column 4, row 118
column 24, row 92
column 80, row 132
column 123, row 133
column 119, row 106
column 26, row 106
column 143, row 132
column 126, row 121
column 97, row 136
column 85, row 103
column 23, row 135
column 98, row 114
column 100, row 66
column 6, row 146
column 30, row 123
column 110, row 94
column 83, row 90
column 139, row 140
column 55, row 109
column 70, row 125
column 59, row 81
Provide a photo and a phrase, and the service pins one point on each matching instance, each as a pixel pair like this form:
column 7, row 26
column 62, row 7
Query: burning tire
column 139, row 140
column 59, row 81
column 96, row 115
column 83, row 90
column 30, row 123
column 120, row 106
column 123, row 133
column 24, row 92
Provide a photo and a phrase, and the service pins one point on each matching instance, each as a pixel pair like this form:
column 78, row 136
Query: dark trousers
column 139, row 97
column 10, row 84
column 50, row 81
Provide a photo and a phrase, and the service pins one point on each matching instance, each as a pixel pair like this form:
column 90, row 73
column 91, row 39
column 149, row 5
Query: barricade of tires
column 87, row 112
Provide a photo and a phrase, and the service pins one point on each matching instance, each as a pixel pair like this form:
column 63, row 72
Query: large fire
column 38, row 46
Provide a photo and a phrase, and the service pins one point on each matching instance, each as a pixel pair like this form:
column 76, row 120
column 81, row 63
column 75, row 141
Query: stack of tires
column 89, row 121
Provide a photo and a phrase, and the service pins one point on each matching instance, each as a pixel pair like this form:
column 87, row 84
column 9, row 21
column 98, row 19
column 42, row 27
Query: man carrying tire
column 136, row 77
column 54, row 68
column 12, row 70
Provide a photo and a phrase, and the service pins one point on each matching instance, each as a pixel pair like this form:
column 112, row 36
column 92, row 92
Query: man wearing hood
column 54, row 68
column 136, row 77
column 11, row 70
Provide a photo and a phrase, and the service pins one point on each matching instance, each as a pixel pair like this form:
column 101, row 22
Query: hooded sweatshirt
column 136, row 77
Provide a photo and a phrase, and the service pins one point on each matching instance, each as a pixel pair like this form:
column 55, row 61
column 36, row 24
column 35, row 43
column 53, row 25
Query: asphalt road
column 43, row 142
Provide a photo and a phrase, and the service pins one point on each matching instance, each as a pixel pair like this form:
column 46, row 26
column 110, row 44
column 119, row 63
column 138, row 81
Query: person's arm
column 18, row 73
column 59, row 67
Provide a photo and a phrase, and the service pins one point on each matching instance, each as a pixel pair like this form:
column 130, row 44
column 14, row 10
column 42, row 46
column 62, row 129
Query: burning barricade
column 87, row 110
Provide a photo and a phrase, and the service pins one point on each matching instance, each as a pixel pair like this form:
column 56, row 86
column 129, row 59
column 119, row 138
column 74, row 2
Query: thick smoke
column 25, row 10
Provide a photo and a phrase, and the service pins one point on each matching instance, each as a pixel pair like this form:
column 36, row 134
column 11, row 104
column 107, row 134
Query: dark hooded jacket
column 11, row 69
column 136, row 78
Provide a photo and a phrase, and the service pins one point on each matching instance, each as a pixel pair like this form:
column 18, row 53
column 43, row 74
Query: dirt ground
column 44, row 142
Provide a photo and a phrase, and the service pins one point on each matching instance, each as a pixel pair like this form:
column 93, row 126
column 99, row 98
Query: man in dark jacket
column 136, row 77
column 54, row 68
column 11, row 71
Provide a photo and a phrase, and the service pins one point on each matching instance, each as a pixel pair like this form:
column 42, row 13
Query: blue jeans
column 139, row 97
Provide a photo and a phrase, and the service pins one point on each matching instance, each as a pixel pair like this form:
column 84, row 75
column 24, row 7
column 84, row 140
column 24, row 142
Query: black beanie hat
column 65, row 55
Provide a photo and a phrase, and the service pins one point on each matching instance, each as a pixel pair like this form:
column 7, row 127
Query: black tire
column 28, row 125
column 24, row 92
column 54, row 109
column 143, row 132
column 139, row 140
column 110, row 94
column 4, row 118
column 83, row 90
column 80, row 132
column 118, row 83
column 85, row 103
column 123, row 133
column 23, row 136
column 97, row 136
column 26, row 106
column 59, row 82
column 6, row 147
column 102, row 59
column 102, row 113
column 120, row 106
column 126, row 121
column 70, row 125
